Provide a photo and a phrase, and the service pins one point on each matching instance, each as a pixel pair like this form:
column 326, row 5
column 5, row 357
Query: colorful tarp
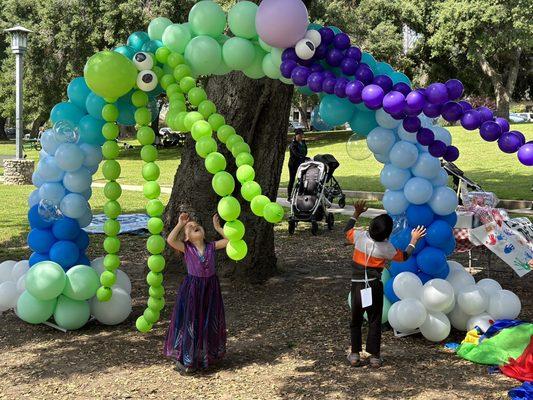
column 522, row 367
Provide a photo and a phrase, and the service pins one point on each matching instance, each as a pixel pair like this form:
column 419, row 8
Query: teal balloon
column 363, row 122
column 66, row 112
column 334, row 29
column 156, row 92
column 385, row 276
column 382, row 68
column 78, row 91
column 398, row 77
column 335, row 111
column 126, row 111
column 137, row 39
column 71, row 314
column 203, row 53
column 94, row 105
column 90, row 130
column 314, row 27
column 34, row 311
column 361, row 107
column 127, row 51
column 369, row 60
column 157, row 26
column 151, row 46
column 305, row 90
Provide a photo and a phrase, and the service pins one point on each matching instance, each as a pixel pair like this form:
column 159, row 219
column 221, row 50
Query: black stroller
column 314, row 192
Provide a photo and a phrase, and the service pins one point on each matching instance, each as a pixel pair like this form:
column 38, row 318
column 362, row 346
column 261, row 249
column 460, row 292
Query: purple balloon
column 328, row 85
column 402, row 87
column 354, row 90
column 437, row 93
column 321, row 51
column 452, row 154
column 329, row 74
column 384, row 81
column 451, row 111
column 340, row 87
column 373, row 96
column 334, row 57
column 465, row 104
column 299, row 76
column 412, row 124
column 316, row 67
column 425, row 136
column 289, row 54
column 341, row 41
column 504, row 124
column 364, row 74
column 327, row 35
column 486, row 114
column 399, row 116
column 432, row 110
column 415, row 103
column 437, row 148
column 306, row 63
column 509, row 142
column 349, row 66
column 490, row 131
column 455, row 88
column 394, row 102
column 355, row 53
column 281, row 23
column 471, row 120
column 521, row 136
column 525, row 154
column 315, row 81
column 287, row 67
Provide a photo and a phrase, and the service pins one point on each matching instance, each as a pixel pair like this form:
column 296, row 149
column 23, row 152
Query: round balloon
column 71, row 314
column 33, row 310
column 114, row 311
column 45, row 280
column 110, row 74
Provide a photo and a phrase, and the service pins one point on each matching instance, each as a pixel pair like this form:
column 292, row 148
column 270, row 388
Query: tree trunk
column 303, row 104
column 37, row 123
column 3, row 135
column 259, row 111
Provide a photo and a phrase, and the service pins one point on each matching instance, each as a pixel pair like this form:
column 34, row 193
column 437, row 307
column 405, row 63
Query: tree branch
column 513, row 72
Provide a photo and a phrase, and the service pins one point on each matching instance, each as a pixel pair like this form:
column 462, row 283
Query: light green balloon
column 273, row 213
column 233, row 140
column 255, row 71
column 191, row 118
column 244, row 159
column 234, row 230
column 205, row 146
column 176, row 37
column 110, row 74
column 216, row 121
column 266, row 47
column 222, row 69
column 142, row 325
column 203, row 54
column 223, row 183
column 276, row 56
column 207, row 18
column 269, row 68
column 157, row 26
column 45, row 280
column 225, row 132
column 34, row 311
column 229, row 208
column 245, row 174
column 250, row 190
column 238, row 53
column 82, row 283
column 241, row 19
column 286, row 81
column 201, row 129
column 258, row 205
column 385, row 276
column 215, row 162
column 237, row 250
column 71, row 314
column 239, row 148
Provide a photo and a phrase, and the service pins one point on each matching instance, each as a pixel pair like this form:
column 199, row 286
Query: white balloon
column 483, row 321
column 450, row 308
column 460, row 279
column 407, row 285
column 392, row 317
column 504, row 304
column 19, row 269
column 436, row 327
column 123, row 281
column 114, row 311
column 490, row 286
column 314, row 36
column 411, row 313
column 473, row 300
column 458, row 318
column 8, row 295
column 98, row 265
column 21, row 284
column 305, row 49
column 437, row 295
column 455, row 266
column 5, row 270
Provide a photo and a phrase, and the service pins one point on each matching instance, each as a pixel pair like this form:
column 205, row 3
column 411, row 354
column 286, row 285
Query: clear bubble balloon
column 48, row 211
column 356, row 147
column 66, row 132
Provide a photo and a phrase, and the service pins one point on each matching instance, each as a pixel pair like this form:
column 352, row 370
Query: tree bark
column 259, row 111
column 3, row 135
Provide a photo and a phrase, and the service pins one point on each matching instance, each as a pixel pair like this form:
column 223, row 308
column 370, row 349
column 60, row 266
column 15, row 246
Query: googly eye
column 143, row 61
column 305, row 49
column 147, row 81
column 314, row 36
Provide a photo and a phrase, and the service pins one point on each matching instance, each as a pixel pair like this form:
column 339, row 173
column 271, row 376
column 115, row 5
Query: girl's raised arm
column 173, row 238
column 222, row 243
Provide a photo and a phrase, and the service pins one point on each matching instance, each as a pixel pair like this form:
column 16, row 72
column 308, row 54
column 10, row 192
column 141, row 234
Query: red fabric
column 522, row 367
column 462, row 240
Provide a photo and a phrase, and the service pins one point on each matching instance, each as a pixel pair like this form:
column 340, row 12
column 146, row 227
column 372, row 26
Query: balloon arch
column 275, row 40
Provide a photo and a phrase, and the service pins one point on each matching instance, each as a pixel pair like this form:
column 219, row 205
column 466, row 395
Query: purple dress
column 197, row 334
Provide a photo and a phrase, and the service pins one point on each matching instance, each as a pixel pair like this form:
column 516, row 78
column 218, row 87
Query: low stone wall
column 18, row 172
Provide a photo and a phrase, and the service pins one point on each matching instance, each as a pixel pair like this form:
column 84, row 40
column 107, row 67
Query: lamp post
column 19, row 42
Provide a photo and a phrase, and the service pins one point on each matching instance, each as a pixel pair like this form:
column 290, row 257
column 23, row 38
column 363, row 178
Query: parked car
column 166, row 137
column 293, row 125
column 516, row 118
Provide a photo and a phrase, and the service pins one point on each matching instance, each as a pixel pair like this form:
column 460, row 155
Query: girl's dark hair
column 298, row 131
column 380, row 228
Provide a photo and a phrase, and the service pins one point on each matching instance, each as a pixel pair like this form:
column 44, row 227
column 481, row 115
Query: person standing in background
column 298, row 155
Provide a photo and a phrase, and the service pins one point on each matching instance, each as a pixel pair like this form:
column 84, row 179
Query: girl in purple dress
column 196, row 337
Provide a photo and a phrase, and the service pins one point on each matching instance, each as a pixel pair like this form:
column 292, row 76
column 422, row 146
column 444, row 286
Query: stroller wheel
column 330, row 220
column 292, row 226
column 342, row 202
column 314, row 228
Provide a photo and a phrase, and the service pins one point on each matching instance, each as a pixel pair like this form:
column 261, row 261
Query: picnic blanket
column 129, row 223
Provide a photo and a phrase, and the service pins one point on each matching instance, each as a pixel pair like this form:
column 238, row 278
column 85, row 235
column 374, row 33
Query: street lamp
column 19, row 42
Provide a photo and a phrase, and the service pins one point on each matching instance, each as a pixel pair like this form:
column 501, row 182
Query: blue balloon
column 431, row 260
column 87, row 193
column 95, row 105
column 444, row 201
column 74, row 205
column 49, row 142
column 69, row 156
column 77, row 92
column 407, row 136
column 439, row 233
column 137, row 39
column 86, row 219
column 449, row 247
column 441, row 179
column 407, row 266
column 82, row 241
column 381, row 140
column 66, row 112
column 151, row 46
column 394, row 178
column 127, row 51
column 305, row 90
column 424, row 277
column 91, row 130
column 41, row 240
column 92, row 155
column 50, row 170
column 384, row 120
column 36, row 221
column 451, row 219
column 394, row 202
column 382, row 68
column 36, row 258
column 34, row 198
column 369, row 60
column 335, row 111
column 126, row 111
column 64, row 253
column 443, row 272
column 363, row 122
column 398, row 77
column 53, row 192
column 418, row 190
column 78, row 181
column 389, row 291
column 66, row 229
column 403, row 154
column 402, row 238
column 83, row 260
column 426, row 166
column 420, row 215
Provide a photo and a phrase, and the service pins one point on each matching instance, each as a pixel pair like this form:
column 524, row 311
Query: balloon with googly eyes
column 143, row 61
column 305, row 49
column 314, row 36
column 147, row 80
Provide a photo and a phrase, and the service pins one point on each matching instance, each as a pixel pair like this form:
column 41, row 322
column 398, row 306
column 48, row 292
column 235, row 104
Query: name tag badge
column 366, row 297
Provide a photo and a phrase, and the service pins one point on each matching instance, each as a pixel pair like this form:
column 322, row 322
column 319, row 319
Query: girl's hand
column 418, row 233
column 183, row 219
column 216, row 222
column 360, row 207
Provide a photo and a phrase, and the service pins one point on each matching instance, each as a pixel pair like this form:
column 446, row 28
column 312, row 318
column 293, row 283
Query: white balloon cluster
column 12, row 282
column 457, row 301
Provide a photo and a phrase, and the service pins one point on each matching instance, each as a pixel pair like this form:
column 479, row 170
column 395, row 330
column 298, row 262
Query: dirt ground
column 287, row 339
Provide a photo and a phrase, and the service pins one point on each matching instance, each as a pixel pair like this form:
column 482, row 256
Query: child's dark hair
column 380, row 228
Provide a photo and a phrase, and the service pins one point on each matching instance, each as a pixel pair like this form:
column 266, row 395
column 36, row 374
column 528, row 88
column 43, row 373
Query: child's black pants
column 373, row 340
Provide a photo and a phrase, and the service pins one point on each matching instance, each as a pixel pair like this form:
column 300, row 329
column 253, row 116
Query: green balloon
column 216, row 120
column 266, row 47
column 111, row 262
column 223, row 183
column 150, row 171
column 174, row 60
column 207, row 108
column 229, row 208
column 155, row 245
column 149, row 153
column 110, row 113
column 250, row 190
column 255, row 70
column 276, row 56
column 215, row 162
column 225, row 132
column 182, row 71
column 203, row 54
column 161, row 55
column 151, row 316
column 154, row 279
column 112, row 190
column 234, row 230
column 244, row 159
column 156, row 263
column 82, row 283
column 151, row 190
column 71, row 314
column 110, row 150
column 142, row 325
column 157, row 26
column 191, row 118
column 111, row 246
column 156, row 291
column 108, row 278
column 174, row 89
column 196, row 96
column 111, row 170
column 187, row 83
column 34, row 311
column 258, row 205
column 110, row 130
column 155, row 225
column 201, row 129
column 112, row 209
column 111, row 227
column 269, row 68
column 155, row 208
column 241, row 19
column 176, row 38
column 179, row 122
column 207, row 18
column 156, row 303
column 237, row 250
column 273, row 213
column 205, row 146
column 238, row 53
column 145, row 135
column 143, row 116
column 286, row 81
column 233, row 140
column 110, row 74
column 245, row 174
column 239, row 148
column 45, row 280
column 167, row 80
column 104, row 294
column 385, row 276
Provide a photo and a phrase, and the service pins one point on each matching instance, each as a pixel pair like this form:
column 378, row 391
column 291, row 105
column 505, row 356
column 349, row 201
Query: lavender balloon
column 349, row 66
column 455, row 88
column 384, row 82
column 354, row 90
column 287, row 67
column 327, row 35
column 452, row 154
column 504, row 124
column 525, row 154
column 340, row 87
column 364, row 74
column 299, row 76
column 425, row 136
column 509, row 142
column 471, row 120
column 412, row 124
column 334, row 57
column 490, row 131
column 394, row 102
column 437, row 148
column 281, row 23
column 328, row 85
column 437, row 93
column 341, row 41
column 373, row 96
column 355, row 53
column 452, row 111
